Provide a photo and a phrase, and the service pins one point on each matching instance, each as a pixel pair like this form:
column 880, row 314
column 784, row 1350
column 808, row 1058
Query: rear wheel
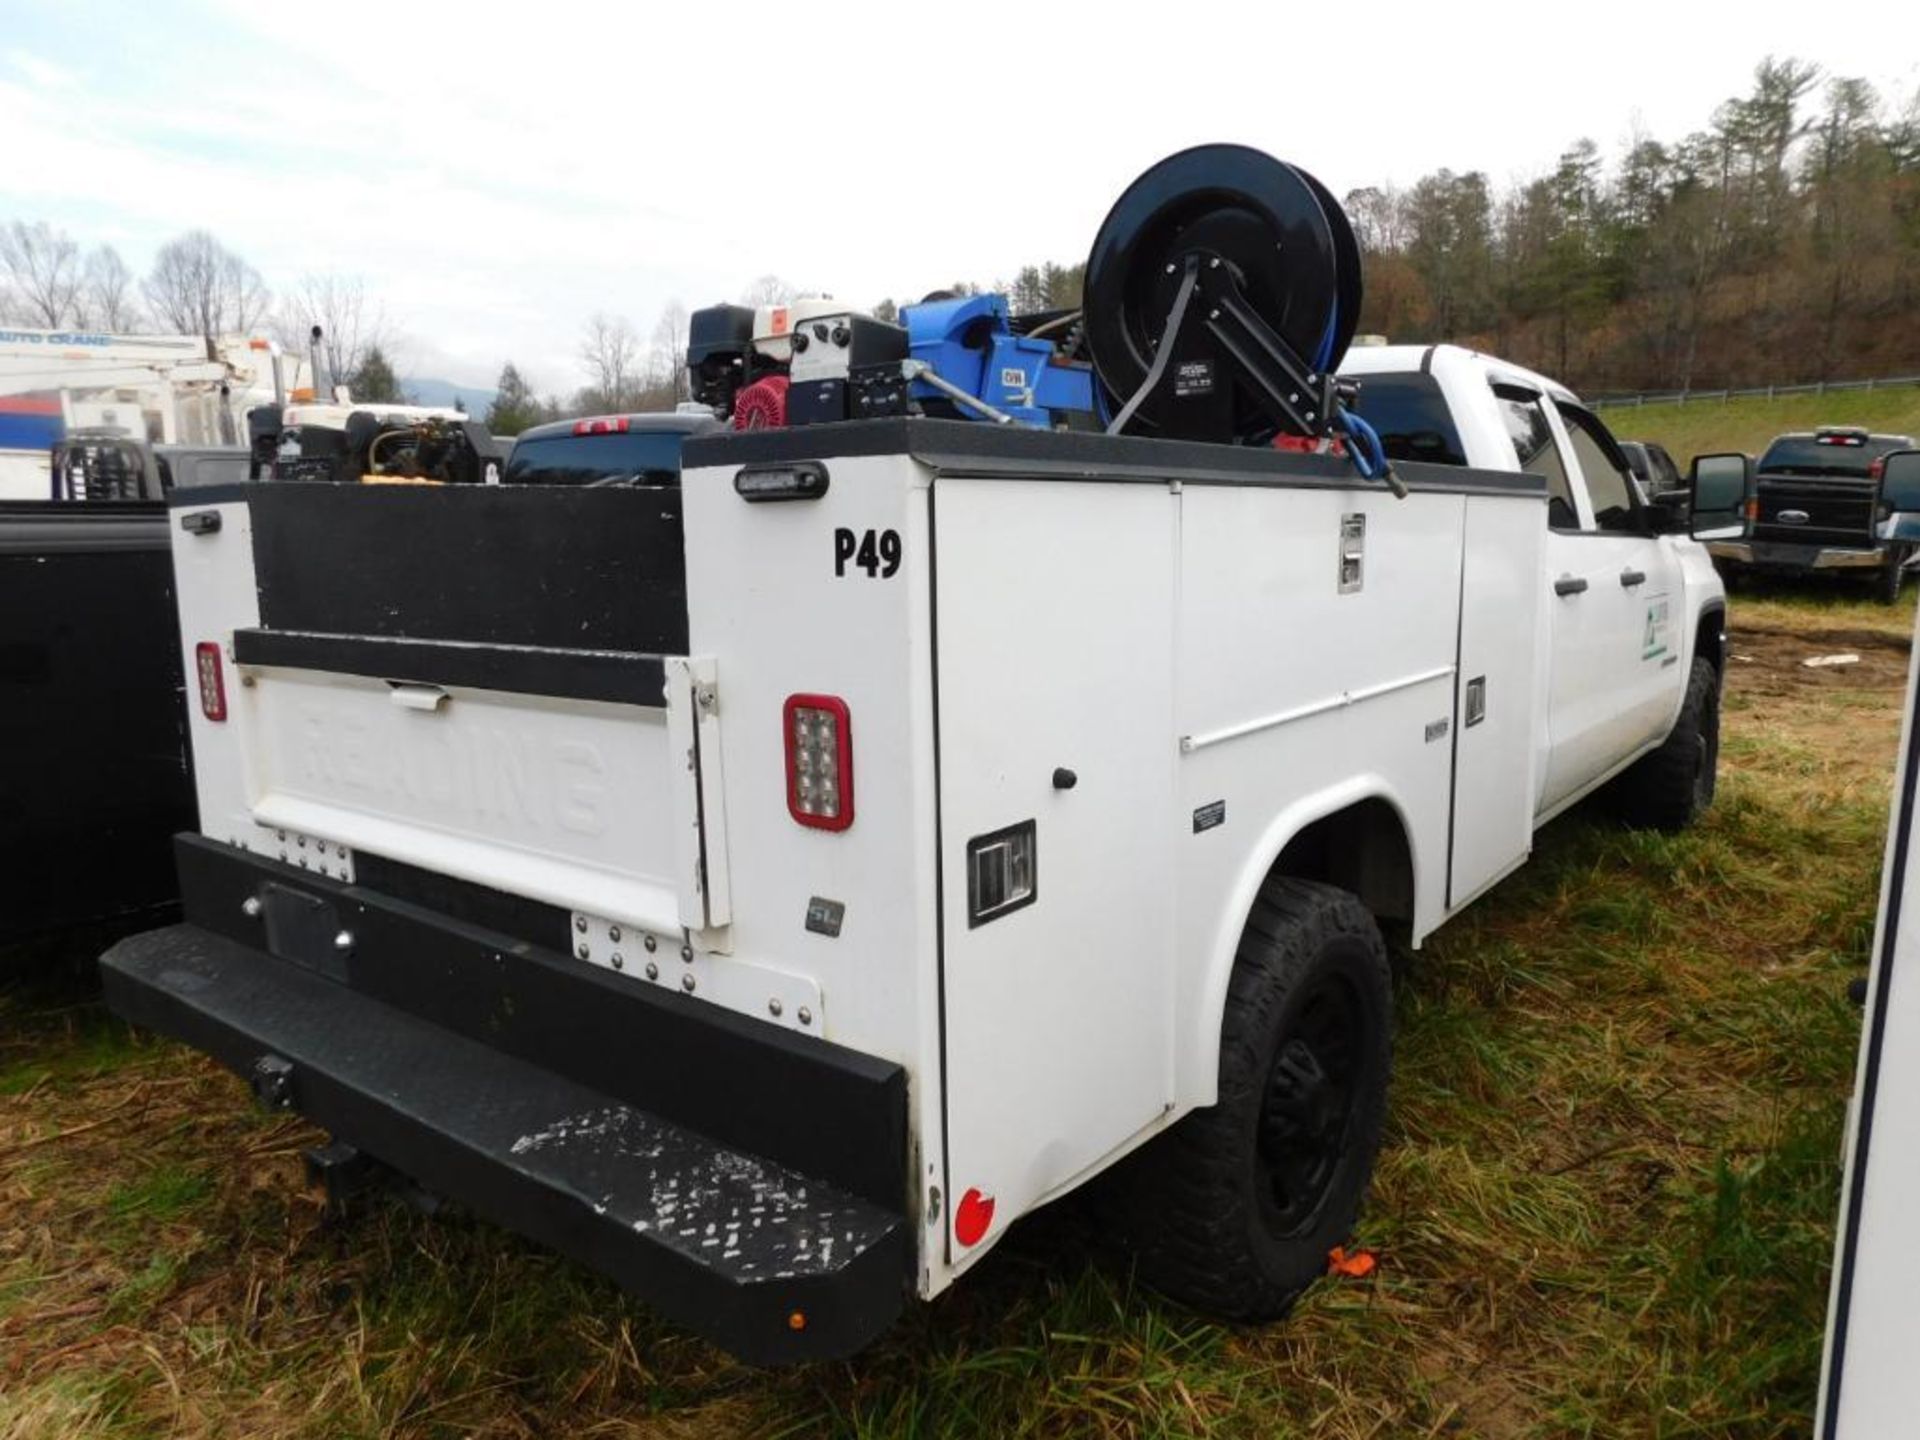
column 1672, row 787
column 1234, row 1210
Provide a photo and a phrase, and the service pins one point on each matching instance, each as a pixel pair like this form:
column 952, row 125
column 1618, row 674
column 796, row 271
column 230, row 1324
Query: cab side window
column 1608, row 486
column 1533, row 447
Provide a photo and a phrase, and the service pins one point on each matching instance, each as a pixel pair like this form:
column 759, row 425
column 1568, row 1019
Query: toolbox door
column 1496, row 697
column 1054, row 661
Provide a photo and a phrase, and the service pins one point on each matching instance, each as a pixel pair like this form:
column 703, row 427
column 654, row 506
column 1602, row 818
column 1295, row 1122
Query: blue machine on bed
column 970, row 343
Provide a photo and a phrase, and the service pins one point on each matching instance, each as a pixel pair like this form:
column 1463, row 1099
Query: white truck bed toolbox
column 745, row 1180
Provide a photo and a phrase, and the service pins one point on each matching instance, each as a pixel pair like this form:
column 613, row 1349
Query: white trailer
column 768, row 890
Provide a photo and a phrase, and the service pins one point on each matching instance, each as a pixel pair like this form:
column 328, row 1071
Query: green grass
column 1704, row 427
column 1604, row 1208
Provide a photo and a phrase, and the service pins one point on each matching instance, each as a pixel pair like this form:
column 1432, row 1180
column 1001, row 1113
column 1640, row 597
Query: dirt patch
column 1769, row 661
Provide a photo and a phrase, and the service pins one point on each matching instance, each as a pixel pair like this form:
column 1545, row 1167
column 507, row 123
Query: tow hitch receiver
column 340, row 1170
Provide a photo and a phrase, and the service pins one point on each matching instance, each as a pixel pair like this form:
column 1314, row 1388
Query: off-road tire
column 1202, row 1207
column 1670, row 788
column 1891, row 577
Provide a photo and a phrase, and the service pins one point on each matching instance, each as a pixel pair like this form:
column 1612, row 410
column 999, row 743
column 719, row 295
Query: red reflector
column 819, row 745
column 972, row 1217
column 213, row 684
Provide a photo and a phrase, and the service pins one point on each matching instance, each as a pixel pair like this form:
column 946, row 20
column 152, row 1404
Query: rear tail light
column 1876, row 466
column 819, row 761
column 213, row 683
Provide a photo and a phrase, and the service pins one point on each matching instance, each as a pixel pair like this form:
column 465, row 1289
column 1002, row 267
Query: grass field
column 1604, row 1208
column 1702, row 427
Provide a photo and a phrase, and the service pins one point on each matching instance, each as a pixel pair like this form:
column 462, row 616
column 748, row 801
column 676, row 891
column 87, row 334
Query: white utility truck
column 769, row 889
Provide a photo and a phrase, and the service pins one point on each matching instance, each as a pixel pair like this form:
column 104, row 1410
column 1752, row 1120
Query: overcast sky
column 496, row 173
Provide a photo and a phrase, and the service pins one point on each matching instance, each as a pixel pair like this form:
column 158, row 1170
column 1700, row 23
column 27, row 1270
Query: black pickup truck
column 95, row 771
column 1816, row 506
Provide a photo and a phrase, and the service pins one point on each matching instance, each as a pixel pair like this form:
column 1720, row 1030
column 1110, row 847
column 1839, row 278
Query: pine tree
column 515, row 406
column 374, row 382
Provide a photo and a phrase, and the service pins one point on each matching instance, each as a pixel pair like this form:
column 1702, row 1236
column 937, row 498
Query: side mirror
column 1717, row 489
column 1900, row 480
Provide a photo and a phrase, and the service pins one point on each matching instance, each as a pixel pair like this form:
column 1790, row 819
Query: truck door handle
column 1631, row 578
column 1569, row 585
column 416, row 697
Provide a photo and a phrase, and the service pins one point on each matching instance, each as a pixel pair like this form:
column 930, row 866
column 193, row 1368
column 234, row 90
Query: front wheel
column 1892, row 575
column 1235, row 1209
column 1672, row 787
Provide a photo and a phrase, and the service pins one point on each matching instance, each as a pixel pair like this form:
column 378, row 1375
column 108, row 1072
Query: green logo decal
column 1653, row 643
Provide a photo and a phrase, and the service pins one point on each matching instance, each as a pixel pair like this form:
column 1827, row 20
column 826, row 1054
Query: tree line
column 196, row 286
column 1779, row 245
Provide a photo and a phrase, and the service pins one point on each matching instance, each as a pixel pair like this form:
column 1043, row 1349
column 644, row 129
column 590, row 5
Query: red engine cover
column 762, row 405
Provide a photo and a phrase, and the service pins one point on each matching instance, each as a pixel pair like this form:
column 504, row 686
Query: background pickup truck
column 1653, row 467
column 1816, row 505
column 769, row 888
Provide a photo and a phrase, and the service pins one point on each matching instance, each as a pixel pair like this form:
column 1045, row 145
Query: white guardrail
column 1699, row 397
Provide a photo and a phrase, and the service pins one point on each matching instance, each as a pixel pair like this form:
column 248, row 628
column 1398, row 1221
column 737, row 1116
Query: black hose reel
column 1221, row 294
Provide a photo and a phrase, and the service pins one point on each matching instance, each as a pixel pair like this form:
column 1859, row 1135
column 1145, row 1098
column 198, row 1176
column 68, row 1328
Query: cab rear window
column 1411, row 415
column 639, row 457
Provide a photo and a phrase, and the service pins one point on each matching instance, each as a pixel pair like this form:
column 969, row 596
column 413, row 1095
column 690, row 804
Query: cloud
column 498, row 178
column 39, row 71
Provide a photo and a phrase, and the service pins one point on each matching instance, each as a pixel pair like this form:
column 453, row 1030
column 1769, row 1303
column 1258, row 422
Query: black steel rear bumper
column 597, row 1116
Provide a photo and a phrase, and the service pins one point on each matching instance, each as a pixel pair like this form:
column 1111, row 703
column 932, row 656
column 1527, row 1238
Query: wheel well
column 1362, row 849
column 1710, row 637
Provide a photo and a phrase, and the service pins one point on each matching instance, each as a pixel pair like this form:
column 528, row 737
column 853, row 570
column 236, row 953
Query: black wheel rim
column 1307, row 1107
column 1707, row 757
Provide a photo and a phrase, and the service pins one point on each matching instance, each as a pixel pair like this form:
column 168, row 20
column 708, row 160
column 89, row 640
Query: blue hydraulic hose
column 1363, row 443
column 1323, row 355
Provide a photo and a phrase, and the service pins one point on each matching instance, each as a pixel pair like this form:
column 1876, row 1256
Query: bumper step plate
column 771, row 1264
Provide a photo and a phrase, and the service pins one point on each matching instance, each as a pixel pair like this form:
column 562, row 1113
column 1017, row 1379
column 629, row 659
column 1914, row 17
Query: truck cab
column 1631, row 602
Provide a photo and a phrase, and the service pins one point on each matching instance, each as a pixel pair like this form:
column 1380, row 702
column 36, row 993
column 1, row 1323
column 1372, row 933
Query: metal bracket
column 672, row 962
column 699, row 793
column 1288, row 388
column 327, row 858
